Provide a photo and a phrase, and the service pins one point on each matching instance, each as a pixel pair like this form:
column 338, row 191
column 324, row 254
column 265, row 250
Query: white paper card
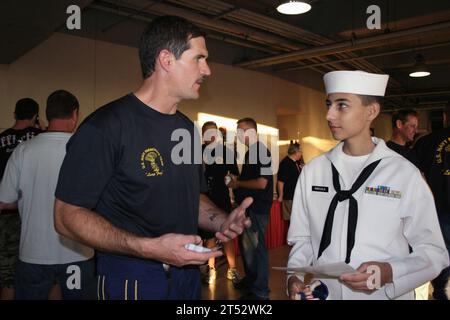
column 334, row 270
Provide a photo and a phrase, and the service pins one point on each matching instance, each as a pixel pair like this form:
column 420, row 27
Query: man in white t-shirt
column 363, row 204
column 30, row 178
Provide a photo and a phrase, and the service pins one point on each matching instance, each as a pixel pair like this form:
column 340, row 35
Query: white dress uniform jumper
column 374, row 217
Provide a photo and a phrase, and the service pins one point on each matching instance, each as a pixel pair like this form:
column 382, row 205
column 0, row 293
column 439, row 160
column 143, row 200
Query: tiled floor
column 223, row 288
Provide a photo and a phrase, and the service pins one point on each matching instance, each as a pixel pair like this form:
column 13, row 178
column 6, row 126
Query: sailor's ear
column 373, row 110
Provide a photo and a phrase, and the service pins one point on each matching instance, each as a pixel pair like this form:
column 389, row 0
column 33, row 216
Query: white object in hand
column 227, row 180
column 193, row 247
column 333, row 270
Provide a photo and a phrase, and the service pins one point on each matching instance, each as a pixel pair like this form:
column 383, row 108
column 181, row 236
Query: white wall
column 236, row 93
column 98, row 72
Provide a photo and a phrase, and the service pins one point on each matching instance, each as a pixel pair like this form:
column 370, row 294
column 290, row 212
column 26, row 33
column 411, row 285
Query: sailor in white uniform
column 363, row 204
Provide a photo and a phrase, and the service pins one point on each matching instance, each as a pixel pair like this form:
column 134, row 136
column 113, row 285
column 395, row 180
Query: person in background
column 405, row 124
column 26, row 112
column 256, row 181
column 218, row 161
column 288, row 174
column 30, row 179
column 433, row 153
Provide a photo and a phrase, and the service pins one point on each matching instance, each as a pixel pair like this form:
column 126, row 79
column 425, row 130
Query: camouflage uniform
column 9, row 247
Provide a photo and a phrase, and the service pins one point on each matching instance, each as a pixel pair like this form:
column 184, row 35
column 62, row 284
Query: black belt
column 9, row 211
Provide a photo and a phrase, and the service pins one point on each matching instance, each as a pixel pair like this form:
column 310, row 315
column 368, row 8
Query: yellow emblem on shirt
column 152, row 162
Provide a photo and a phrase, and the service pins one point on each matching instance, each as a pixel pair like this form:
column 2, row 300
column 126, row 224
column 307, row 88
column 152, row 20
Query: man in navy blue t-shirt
column 128, row 189
column 255, row 181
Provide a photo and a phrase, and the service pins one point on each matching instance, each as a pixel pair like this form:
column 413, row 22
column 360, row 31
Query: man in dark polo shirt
column 256, row 181
column 288, row 173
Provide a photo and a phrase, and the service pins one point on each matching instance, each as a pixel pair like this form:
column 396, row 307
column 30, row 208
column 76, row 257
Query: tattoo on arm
column 211, row 217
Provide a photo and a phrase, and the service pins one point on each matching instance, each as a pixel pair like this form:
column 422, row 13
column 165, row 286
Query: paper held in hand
column 333, row 270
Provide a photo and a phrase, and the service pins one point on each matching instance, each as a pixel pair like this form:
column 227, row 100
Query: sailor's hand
column 295, row 287
column 371, row 276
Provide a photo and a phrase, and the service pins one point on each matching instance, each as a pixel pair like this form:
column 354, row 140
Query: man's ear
column 398, row 124
column 373, row 110
column 165, row 59
column 75, row 114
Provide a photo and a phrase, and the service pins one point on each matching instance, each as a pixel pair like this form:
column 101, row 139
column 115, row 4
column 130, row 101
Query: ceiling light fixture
column 420, row 68
column 293, row 7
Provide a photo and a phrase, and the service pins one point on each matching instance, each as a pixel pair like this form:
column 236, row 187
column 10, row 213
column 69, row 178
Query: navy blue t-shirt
column 257, row 164
column 433, row 152
column 119, row 165
column 406, row 152
column 288, row 172
column 215, row 171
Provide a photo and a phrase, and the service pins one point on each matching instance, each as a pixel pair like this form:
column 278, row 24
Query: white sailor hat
column 356, row 82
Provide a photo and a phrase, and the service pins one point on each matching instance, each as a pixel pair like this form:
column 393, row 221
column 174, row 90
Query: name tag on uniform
column 319, row 189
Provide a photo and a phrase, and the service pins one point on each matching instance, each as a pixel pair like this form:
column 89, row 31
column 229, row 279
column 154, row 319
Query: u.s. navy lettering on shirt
column 320, row 188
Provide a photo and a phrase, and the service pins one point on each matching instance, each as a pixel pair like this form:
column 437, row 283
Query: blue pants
column 124, row 278
column 255, row 256
column 441, row 284
column 76, row 279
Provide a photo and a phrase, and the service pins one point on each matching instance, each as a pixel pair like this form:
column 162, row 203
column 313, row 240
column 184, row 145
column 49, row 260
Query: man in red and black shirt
column 26, row 115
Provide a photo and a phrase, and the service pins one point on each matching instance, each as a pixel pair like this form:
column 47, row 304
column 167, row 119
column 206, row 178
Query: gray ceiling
column 253, row 35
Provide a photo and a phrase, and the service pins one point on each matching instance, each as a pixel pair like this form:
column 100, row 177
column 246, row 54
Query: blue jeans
column 441, row 284
column 255, row 256
column 76, row 279
column 124, row 278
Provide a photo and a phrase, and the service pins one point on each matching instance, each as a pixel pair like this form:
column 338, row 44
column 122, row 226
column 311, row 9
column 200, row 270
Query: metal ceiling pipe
column 444, row 91
column 221, row 26
column 160, row 9
column 284, row 29
column 348, row 45
column 426, row 107
column 381, row 54
column 212, row 36
column 249, row 18
column 436, row 62
column 100, row 5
